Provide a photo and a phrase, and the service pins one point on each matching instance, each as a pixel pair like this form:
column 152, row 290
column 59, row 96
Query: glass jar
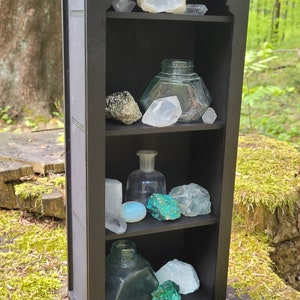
column 178, row 79
column 145, row 181
column 128, row 275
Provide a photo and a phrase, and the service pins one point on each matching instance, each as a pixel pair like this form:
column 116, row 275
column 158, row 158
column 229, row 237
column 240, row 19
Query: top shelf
column 117, row 129
column 168, row 17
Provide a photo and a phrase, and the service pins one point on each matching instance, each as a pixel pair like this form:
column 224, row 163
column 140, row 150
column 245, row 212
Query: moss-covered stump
column 267, row 195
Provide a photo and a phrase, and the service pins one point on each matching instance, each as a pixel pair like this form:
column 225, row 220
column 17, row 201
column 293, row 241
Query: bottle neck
column 147, row 160
column 123, row 253
column 177, row 66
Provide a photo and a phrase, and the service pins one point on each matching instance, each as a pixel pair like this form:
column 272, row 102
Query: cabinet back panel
column 121, row 158
column 133, row 60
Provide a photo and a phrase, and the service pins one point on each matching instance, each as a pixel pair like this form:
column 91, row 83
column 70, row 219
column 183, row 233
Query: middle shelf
column 150, row 225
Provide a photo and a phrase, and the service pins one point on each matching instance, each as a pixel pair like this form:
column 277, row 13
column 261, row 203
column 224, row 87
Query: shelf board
column 150, row 225
column 168, row 17
column 117, row 129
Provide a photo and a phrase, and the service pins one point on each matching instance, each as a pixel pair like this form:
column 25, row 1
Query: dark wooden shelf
column 169, row 17
column 150, row 225
column 107, row 51
column 118, row 129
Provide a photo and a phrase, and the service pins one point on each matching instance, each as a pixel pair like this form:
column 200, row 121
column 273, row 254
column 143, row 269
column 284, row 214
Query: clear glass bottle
column 144, row 182
column 127, row 274
column 177, row 78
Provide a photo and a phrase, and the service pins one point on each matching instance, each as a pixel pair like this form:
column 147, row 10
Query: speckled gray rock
column 121, row 106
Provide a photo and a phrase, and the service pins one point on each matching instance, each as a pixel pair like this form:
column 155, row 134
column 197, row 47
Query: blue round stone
column 133, row 211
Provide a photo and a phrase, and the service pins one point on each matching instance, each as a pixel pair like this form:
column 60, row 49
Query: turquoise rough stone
column 163, row 207
column 168, row 290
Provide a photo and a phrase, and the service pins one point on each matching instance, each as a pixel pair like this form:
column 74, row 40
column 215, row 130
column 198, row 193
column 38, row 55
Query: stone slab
column 11, row 171
column 40, row 149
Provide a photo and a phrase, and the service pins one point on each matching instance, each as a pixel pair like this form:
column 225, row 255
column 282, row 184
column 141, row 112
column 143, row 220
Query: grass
column 33, row 257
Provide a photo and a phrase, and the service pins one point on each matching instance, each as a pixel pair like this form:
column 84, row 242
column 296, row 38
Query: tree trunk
column 30, row 57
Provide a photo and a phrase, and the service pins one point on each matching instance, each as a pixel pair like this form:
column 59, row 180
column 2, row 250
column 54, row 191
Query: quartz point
column 157, row 6
column 192, row 199
column 121, row 106
column 123, row 5
column 115, row 223
column 113, row 196
column 209, row 116
column 163, row 112
column 182, row 273
column 168, row 290
column 163, row 207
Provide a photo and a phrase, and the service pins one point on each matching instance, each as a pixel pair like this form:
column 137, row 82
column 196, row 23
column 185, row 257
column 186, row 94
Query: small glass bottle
column 144, row 182
column 128, row 275
column 177, row 78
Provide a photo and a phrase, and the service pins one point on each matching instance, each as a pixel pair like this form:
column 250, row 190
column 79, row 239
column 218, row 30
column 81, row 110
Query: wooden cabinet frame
column 106, row 51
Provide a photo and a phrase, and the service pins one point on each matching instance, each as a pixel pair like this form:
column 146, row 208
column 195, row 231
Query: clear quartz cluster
column 182, row 273
column 158, row 6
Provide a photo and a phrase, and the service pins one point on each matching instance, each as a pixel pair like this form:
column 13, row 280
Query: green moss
column 59, row 181
column 250, row 267
column 33, row 257
column 33, row 190
column 267, row 173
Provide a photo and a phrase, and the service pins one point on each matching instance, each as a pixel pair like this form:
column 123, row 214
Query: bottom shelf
column 198, row 295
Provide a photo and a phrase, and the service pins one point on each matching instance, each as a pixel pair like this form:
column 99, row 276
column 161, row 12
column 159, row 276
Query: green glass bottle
column 128, row 275
column 177, row 78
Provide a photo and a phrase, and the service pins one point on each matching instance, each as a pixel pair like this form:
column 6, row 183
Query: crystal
column 192, row 199
column 133, row 211
column 121, row 106
column 195, row 9
column 182, row 273
column 163, row 112
column 163, row 207
column 113, row 196
column 115, row 223
column 209, row 116
column 123, row 5
column 157, row 6
column 166, row 291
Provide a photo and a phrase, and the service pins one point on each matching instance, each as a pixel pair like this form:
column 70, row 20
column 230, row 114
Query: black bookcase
column 106, row 51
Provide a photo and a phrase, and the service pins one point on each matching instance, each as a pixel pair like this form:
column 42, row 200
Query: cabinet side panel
column 77, row 209
column 240, row 11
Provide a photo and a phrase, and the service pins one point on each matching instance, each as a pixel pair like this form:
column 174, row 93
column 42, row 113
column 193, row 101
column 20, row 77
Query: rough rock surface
column 24, row 157
column 121, row 106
